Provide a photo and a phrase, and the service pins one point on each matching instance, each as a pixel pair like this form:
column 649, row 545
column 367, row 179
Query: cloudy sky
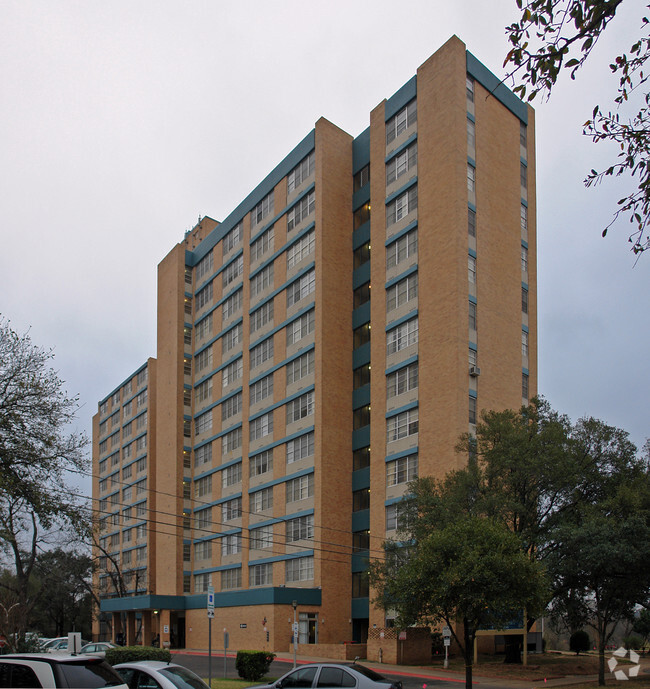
column 121, row 122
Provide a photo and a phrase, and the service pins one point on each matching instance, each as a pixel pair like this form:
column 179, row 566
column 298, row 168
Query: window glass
column 300, row 678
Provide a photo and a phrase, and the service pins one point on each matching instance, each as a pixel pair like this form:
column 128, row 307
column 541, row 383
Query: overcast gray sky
column 121, row 122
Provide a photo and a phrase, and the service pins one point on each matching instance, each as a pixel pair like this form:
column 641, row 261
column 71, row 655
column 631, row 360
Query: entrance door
column 308, row 628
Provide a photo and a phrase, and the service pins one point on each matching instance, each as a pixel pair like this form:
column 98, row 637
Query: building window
column 263, row 209
column 261, row 463
column 299, row 569
column 395, row 517
column 231, row 305
column 231, row 441
column 471, row 133
column 401, row 381
column 360, row 541
column 471, row 222
column 301, row 407
column 401, row 163
column 524, row 219
column 300, row 448
column 360, row 585
column 402, row 292
column 230, row 510
column 203, row 519
column 231, row 475
column 361, row 255
column 202, row 487
column 301, row 172
column 202, row 583
column 361, row 417
column 260, row 575
column 361, row 376
column 401, row 470
column 524, row 300
column 524, row 385
column 524, row 259
column 402, row 336
column 361, row 335
column 472, row 409
column 361, row 215
column 203, row 360
column 361, row 178
column 261, row 426
column 402, row 425
column 203, row 550
column 401, row 121
column 203, row 391
column 260, row 317
column 204, row 296
column 471, row 178
column 361, row 500
column 472, row 316
column 126, row 472
column 232, row 372
column 261, row 500
column 361, row 295
column 261, row 352
column 301, row 287
column 472, row 357
column 262, row 280
column 301, row 210
column 300, row 488
column 523, row 170
column 203, row 423
column 233, row 238
column 203, row 455
column 232, row 271
column 524, row 343
column 301, row 249
column 361, row 458
column 231, row 544
column 262, row 244
column 231, row 578
column 301, row 327
column 401, row 206
column 401, row 249
column 300, row 529
column 523, row 135
column 232, row 338
column 469, row 88
column 471, row 269
column 262, row 537
column 231, row 407
column 261, row 389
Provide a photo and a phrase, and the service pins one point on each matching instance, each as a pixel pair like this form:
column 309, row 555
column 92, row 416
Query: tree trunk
column 513, row 649
column 601, row 659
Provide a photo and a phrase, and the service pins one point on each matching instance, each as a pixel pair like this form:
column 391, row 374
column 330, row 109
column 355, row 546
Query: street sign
column 446, row 632
column 210, row 601
column 402, row 636
column 447, row 642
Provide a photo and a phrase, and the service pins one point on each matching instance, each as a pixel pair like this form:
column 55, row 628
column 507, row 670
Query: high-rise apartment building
column 319, row 348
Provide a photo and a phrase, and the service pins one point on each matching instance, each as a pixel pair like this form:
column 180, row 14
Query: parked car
column 98, row 648
column 60, row 645
column 155, row 674
column 51, row 671
column 332, row 675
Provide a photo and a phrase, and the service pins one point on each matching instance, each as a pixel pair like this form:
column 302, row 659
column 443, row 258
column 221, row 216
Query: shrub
column 129, row 654
column 579, row 641
column 633, row 642
column 253, row 665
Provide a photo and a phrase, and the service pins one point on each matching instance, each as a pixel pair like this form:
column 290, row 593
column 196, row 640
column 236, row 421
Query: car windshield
column 183, row 678
column 88, row 675
column 370, row 674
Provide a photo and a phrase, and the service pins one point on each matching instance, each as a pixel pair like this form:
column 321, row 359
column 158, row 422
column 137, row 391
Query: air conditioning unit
column 474, row 371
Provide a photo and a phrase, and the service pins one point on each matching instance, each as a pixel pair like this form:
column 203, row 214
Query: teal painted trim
column 283, row 363
column 402, row 276
column 471, row 161
column 281, row 170
column 361, row 396
column 229, row 294
column 150, row 602
column 394, row 501
column 472, row 345
column 216, row 503
column 360, row 197
column 524, row 202
column 403, row 319
column 361, row 315
column 400, row 98
column 282, row 558
column 217, row 469
column 411, row 183
column 215, row 404
column 471, row 206
column 524, row 328
column 361, row 355
column 361, row 151
column 281, row 289
column 361, row 478
column 472, row 253
column 471, row 117
column 472, row 299
column 394, row 237
column 279, row 520
column 403, row 453
column 212, row 340
column 121, row 385
column 278, row 216
column 524, row 243
column 282, row 326
column 361, row 275
column 523, row 161
column 214, row 537
column 400, row 410
column 473, row 393
column 219, row 270
column 525, row 370
column 282, row 441
column 402, row 364
column 282, row 402
column 496, row 87
column 361, row 438
column 361, row 235
column 360, row 609
column 282, row 479
column 399, row 149
column 360, row 561
column 218, row 435
column 297, row 237
column 360, row 520
column 524, row 285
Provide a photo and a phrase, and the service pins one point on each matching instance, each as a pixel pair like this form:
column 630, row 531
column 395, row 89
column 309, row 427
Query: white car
column 98, row 648
column 45, row 671
column 155, row 674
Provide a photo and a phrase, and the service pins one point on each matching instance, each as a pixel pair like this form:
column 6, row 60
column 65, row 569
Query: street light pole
column 295, row 631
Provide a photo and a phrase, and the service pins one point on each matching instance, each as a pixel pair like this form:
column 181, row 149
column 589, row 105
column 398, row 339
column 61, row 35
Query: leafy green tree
column 469, row 570
column 552, row 35
column 579, row 641
column 642, row 625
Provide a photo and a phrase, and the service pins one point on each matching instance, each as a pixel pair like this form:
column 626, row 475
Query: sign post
column 446, row 635
column 210, row 610
column 294, row 630
column 226, row 643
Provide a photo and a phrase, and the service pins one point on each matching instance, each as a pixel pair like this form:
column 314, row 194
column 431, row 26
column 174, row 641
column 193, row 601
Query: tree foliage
column 552, row 35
